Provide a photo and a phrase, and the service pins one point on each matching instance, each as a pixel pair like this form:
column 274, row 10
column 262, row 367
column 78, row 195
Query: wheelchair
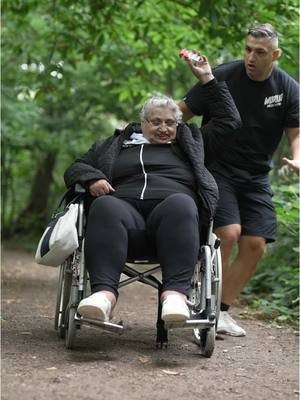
column 203, row 300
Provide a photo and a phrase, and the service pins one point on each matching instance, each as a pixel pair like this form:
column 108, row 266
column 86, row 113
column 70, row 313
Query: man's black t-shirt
column 266, row 108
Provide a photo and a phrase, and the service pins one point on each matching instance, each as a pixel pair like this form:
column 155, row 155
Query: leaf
column 11, row 301
column 170, row 372
column 144, row 360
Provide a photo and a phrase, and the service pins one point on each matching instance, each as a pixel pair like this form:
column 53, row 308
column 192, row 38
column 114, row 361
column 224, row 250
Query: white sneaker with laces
column 96, row 306
column 228, row 326
column 174, row 309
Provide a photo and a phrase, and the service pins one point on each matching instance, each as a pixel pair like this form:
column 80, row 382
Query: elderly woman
column 150, row 177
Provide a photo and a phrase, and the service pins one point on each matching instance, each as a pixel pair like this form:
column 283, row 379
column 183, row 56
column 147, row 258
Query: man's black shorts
column 248, row 204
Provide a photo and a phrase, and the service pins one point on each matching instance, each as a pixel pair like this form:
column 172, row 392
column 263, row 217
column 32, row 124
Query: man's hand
column 201, row 69
column 292, row 164
column 100, row 188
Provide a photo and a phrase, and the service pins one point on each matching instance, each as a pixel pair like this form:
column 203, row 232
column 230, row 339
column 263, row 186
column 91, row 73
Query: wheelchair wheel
column 195, row 292
column 63, row 296
column 59, row 297
column 216, row 290
column 206, row 340
column 71, row 327
column 197, row 296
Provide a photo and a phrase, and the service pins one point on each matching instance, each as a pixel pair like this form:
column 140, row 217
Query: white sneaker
column 174, row 309
column 96, row 306
column 229, row 326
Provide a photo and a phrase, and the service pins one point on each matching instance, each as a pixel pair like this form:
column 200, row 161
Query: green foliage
column 274, row 290
column 73, row 71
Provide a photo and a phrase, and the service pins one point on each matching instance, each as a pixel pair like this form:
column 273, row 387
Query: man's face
column 160, row 126
column 259, row 57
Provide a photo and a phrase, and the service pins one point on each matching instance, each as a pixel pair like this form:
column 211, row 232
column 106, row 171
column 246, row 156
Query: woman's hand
column 201, row 69
column 100, row 188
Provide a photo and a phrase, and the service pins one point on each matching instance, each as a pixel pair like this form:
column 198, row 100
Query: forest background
column 73, row 71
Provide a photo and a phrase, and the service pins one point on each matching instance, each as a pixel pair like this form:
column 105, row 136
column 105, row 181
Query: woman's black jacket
column 98, row 162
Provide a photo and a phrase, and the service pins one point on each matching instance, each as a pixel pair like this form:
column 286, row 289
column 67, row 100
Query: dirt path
column 35, row 364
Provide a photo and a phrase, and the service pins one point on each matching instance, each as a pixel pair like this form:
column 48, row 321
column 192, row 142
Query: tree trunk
column 34, row 216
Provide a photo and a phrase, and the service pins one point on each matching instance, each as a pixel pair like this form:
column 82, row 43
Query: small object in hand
column 189, row 55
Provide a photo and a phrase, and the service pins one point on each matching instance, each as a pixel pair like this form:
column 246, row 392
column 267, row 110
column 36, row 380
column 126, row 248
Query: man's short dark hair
column 264, row 31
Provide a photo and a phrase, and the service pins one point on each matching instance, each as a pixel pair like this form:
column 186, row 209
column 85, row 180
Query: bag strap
column 80, row 193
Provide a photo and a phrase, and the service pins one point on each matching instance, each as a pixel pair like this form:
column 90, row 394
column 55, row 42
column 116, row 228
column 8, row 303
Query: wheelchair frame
column 203, row 301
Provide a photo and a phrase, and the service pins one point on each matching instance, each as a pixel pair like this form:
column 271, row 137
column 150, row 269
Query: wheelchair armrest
column 79, row 189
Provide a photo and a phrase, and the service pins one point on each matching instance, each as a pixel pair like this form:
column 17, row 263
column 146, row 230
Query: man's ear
column 276, row 54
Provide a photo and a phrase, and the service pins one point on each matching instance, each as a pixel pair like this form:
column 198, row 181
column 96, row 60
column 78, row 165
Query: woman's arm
column 85, row 168
column 224, row 116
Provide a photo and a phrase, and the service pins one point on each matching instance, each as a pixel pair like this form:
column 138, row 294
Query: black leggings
column 172, row 224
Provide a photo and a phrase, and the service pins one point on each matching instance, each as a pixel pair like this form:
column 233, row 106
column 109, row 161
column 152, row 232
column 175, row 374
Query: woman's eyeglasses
column 170, row 123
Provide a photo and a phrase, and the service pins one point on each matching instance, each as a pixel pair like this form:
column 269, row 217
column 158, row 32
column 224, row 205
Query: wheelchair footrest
column 190, row 324
column 109, row 326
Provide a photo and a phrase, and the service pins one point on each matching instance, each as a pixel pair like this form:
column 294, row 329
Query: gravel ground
column 35, row 364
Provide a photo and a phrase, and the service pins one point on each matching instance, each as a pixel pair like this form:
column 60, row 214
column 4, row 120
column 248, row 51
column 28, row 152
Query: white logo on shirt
column 273, row 101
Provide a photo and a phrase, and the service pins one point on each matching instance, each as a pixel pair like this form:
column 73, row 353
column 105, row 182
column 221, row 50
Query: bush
column 274, row 290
